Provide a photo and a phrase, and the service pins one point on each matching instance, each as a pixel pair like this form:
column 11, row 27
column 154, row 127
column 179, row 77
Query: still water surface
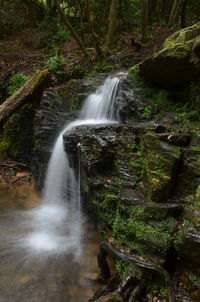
column 43, row 273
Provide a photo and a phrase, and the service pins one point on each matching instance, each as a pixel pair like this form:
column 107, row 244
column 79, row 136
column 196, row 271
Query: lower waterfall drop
column 57, row 221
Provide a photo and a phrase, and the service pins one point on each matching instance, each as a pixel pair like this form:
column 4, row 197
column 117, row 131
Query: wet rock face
column 128, row 103
column 58, row 107
column 129, row 175
column 61, row 105
column 161, row 165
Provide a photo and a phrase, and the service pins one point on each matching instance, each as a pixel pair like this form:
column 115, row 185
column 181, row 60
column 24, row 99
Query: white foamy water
column 57, row 222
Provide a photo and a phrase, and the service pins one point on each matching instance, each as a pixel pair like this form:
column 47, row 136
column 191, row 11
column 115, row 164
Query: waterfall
column 61, row 192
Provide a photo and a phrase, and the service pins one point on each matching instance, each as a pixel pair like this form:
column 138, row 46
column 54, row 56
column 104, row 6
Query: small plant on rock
column 16, row 81
column 56, row 64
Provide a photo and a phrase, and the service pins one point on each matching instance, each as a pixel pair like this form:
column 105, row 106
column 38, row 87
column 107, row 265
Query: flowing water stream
column 49, row 253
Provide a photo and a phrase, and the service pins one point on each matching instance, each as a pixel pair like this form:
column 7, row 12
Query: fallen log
column 22, row 95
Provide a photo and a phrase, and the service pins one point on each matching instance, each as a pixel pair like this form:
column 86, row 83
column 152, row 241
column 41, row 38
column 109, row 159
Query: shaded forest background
column 98, row 28
column 78, row 38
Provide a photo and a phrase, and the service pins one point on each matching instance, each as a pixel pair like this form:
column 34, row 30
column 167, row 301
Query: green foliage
column 107, row 204
column 133, row 230
column 181, row 234
column 126, row 268
column 56, row 64
column 148, row 112
column 184, row 104
column 138, row 162
column 37, row 144
column 110, row 200
column 130, row 12
column 156, row 290
column 16, row 81
column 185, row 118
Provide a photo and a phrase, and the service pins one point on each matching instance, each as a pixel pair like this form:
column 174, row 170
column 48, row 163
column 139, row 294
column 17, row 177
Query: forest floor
column 22, row 52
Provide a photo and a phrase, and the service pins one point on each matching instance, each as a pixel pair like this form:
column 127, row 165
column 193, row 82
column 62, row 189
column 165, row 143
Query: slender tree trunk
column 144, row 17
column 91, row 28
column 70, row 27
column 174, row 12
column 183, row 13
column 113, row 14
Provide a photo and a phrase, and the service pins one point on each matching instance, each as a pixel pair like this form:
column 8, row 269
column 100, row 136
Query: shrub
column 56, row 64
column 16, row 81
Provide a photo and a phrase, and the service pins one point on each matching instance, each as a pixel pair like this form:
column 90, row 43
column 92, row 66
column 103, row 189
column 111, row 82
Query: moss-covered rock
column 183, row 35
column 192, row 214
column 177, row 63
column 161, row 160
column 188, row 178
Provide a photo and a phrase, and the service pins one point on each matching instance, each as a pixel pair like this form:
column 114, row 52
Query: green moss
column 105, row 202
column 159, row 101
column 110, row 200
column 65, row 96
column 37, row 144
column 157, row 290
column 159, row 166
column 131, row 228
column 128, row 268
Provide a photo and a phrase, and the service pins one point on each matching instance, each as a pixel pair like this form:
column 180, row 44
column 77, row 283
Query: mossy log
column 24, row 94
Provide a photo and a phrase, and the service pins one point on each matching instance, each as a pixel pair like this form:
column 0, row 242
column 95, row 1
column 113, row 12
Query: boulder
column 183, row 35
column 177, row 63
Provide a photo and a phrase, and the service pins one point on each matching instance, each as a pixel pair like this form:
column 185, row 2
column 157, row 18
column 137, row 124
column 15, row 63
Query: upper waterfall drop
column 60, row 183
column 99, row 106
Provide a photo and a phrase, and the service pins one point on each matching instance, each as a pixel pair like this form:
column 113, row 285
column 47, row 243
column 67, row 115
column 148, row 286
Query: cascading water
column 48, row 252
column 61, row 184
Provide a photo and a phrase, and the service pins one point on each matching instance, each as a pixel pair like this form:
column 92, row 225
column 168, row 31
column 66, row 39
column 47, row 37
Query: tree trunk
column 183, row 13
column 22, row 95
column 174, row 12
column 91, row 27
column 113, row 14
column 144, row 17
column 70, row 27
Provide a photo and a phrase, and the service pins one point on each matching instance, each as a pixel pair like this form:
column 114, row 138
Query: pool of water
column 55, row 262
